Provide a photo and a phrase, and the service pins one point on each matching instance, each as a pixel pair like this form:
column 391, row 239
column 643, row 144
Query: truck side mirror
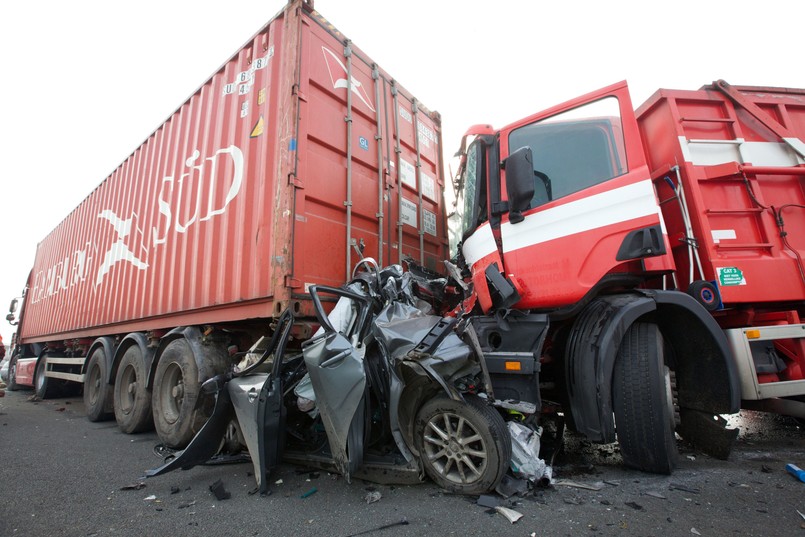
column 519, row 168
column 13, row 306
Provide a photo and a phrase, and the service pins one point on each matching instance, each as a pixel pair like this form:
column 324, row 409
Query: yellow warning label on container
column 257, row 130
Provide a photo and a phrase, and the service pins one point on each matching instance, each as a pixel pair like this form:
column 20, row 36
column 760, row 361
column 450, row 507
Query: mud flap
column 707, row 432
column 206, row 442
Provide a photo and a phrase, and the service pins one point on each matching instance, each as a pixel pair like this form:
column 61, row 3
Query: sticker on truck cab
column 728, row 276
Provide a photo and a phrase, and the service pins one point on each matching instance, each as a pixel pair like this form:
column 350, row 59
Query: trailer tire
column 97, row 391
column 44, row 387
column 12, row 385
column 465, row 447
column 643, row 401
column 132, row 399
column 176, row 391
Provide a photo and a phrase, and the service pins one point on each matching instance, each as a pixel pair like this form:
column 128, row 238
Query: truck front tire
column 175, row 393
column 12, row 385
column 643, row 401
column 44, row 387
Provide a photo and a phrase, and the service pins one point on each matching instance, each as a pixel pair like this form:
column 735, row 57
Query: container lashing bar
column 420, row 208
column 348, row 121
column 380, row 181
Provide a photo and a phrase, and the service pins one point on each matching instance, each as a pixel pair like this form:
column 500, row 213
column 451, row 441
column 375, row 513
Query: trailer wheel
column 131, row 396
column 176, row 390
column 97, row 391
column 44, row 387
column 643, row 401
column 464, row 447
column 12, row 385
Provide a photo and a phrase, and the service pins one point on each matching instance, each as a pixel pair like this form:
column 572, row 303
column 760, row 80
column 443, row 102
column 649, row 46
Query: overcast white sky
column 85, row 82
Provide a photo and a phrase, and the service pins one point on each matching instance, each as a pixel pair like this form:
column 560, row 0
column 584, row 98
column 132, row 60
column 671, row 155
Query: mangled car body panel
column 356, row 399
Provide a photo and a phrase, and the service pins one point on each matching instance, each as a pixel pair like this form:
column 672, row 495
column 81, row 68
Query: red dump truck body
column 737, row 152
column 297, row 151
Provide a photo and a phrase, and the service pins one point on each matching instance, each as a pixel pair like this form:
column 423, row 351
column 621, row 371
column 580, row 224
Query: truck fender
column 707, row 378
column 706, row 373
column 135, row 338
column 108, row 344
column 210, row 360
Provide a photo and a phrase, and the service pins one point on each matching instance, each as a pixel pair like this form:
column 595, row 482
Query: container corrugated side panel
column 391, row 140
column 739, row 242
column 183, row 230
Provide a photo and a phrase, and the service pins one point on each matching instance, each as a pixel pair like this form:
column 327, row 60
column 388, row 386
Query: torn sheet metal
column 339, row 380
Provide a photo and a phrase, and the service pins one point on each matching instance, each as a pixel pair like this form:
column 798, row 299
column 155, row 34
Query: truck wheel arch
column 694, row 333
column 705, row 371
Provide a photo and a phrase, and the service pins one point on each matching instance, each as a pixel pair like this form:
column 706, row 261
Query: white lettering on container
column 408, row 213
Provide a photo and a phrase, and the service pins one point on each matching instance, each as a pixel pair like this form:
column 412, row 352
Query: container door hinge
column 292, row 282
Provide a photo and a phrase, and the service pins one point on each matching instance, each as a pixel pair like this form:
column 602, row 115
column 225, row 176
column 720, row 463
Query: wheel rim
column 230, row 443
column 455, row 449
column 94, row 384
column 128, row 389
column 172, row 392
column 670, row 397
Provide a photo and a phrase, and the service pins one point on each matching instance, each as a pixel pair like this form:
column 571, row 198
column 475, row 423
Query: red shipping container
column 296, row 153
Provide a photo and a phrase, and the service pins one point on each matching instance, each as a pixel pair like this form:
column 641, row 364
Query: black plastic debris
column 175, row 490
column 402, row 522
column 509, row 486
column 133, row 486
column 219, row 491
column 635, row 506
column 487, row 500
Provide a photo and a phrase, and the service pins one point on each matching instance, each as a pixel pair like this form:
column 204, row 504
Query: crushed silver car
column 387, row 390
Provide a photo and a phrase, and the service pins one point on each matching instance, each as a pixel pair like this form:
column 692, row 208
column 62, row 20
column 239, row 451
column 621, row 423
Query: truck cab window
column 573, row 150
column 472, row 203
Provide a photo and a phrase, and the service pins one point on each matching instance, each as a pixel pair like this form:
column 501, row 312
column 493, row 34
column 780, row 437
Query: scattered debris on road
column 219, row 491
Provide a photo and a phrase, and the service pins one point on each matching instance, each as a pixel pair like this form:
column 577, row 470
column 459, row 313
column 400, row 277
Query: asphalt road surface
column 61, row 475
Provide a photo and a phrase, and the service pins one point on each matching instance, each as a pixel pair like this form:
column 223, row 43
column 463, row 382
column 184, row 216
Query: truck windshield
column 573, row 150
column 471, row 203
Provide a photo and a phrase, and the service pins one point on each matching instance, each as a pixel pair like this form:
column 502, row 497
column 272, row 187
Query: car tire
column 465, row 447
